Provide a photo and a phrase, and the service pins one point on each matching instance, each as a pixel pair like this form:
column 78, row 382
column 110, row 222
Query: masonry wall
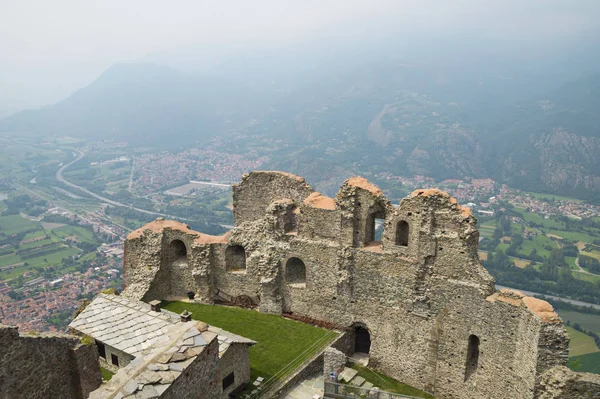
column 422, row 294
column 199, row 380
column 235, row 360
column 46, row 366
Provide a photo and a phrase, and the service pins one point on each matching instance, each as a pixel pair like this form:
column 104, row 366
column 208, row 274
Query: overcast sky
column 48, row 48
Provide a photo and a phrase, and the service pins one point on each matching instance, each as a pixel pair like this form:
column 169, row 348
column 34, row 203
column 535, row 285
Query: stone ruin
column 417, row 299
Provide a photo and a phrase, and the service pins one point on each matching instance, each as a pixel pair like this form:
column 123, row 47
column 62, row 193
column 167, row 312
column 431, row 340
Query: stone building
column 46, row 366
column 417, row 300
column 125, row 329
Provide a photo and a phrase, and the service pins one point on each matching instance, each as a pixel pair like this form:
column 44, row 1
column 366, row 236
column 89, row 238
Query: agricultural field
column 581, row 344
column 14, row 224
column 590, row 322
column 28, row 246
column 589, row 363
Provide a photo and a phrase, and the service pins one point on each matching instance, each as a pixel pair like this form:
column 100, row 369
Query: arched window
column 472, row 356
column 235, row 258
column 402, row 230
column 374, row 227
column 178, row 249
column 295, row 271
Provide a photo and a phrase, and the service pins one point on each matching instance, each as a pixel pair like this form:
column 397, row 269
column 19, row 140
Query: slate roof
column 150, row 375
column 132, row 327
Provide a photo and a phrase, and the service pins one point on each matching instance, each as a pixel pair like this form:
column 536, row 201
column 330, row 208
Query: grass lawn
column 280, row 341
column 587, row 321
column 589, row 363
column 388, row 384
column 581, row 343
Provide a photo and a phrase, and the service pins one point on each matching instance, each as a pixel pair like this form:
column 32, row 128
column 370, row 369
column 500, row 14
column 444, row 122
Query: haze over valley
column 114, row 115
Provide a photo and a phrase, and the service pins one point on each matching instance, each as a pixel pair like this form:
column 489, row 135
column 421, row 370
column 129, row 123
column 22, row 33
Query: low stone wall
column 46, row 366
column 309, row 368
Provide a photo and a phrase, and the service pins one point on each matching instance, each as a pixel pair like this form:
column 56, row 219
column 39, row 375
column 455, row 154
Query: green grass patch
column 593, row 254
column 280, row 341
column 587, row 321
column 549, row 223
column 549, row 197
column 573, row 236
column 589, row 363
column 388, row 384
column 571, row 262
column 14, row 224
column 581, row 343
column 106, row 374
column 34, row 234
column 83, row 234
column 592, row 278
column 36, row 244
column 539, row 243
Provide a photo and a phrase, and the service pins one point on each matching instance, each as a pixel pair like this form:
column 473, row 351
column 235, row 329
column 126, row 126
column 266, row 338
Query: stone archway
column 362, row 340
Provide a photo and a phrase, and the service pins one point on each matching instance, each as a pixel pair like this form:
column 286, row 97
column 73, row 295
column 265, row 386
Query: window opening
column 472, row 356
column 235, row 258
column 402, row 230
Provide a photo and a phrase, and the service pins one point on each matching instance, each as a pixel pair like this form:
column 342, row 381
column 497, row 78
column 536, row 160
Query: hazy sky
column 48, row 48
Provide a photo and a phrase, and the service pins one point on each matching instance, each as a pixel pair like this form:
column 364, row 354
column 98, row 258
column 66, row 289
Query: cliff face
column 569, row 160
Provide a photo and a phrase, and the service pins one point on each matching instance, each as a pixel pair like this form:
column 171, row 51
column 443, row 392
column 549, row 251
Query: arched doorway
column 362, row 340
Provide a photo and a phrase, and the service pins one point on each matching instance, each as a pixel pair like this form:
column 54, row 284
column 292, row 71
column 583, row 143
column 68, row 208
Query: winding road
column 81, row 154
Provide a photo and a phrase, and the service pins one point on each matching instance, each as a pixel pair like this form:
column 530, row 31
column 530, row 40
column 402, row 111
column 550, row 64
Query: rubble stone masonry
column 434, row 318
column 46, row 366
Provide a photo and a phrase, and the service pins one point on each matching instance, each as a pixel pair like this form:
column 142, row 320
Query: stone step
column 347, row 374
column 358, row 381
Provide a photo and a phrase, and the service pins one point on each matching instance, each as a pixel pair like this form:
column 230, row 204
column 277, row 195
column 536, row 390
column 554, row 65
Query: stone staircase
column 350, row 376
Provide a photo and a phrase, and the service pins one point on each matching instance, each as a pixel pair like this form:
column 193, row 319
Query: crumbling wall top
column 433, row 192
column 363, row 183
column 160, row 225
column 541, row 309
column 318, row 200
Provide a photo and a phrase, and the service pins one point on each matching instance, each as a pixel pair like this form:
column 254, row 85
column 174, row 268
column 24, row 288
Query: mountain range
column 529, row 130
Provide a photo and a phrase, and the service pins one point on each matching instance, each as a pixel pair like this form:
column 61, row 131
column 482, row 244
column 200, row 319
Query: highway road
column 81, row 154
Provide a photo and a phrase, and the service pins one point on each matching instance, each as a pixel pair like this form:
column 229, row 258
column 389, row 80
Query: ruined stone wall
column 46, row 366
column 420, row 291
column 236, row 360
column 258, row 190
column 562, row 383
